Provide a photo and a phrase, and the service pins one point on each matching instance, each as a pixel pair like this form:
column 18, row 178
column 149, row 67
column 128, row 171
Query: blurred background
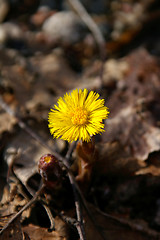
column 50, row 47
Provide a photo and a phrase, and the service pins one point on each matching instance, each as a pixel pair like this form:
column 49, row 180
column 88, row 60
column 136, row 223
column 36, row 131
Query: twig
column 92, row 26
column 72, row 221
column 70, row 151
column 87, row 209
column 34, row 199
column 86, row 18
column 69, row 220
column 52, row 223
column 80, row 225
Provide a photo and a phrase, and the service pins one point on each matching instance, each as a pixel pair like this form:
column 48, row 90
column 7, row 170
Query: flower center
column 79, row 117
column 47, row 159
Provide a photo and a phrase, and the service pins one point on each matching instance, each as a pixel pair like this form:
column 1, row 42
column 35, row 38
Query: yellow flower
column 77, row 115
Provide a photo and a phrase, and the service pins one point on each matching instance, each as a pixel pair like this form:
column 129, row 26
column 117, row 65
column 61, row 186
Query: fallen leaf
column 38, row 233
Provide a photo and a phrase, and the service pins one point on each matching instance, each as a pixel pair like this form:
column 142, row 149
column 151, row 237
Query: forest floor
column 48, row 48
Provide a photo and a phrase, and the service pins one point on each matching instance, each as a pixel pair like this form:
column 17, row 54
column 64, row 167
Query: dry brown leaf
column 6, row 122
column 13, row 231
column 37, row 81
column 114, row 229
column 149, row 170
column 38, row 233
column 134, row 120
column 153, row 165
column 12, row 202
column 115, row 159
column 28, row 151
column 133, row 132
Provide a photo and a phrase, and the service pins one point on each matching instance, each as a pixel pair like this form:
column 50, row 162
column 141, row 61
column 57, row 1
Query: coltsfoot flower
column 77, row 116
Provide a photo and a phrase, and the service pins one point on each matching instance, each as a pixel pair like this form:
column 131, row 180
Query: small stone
column 10, row 31
column 64, row 28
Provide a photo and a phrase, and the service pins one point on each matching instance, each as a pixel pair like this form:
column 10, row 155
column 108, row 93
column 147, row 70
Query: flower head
column 77, row 115
column 50, row 171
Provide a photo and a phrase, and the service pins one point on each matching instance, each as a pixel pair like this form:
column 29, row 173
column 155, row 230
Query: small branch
column 70, row 151
column 92, row 26
column 69, row 220
column 77, row 189
column 80, row 225
column 52, row 223
column 86, row 18
column 72, row 221
column 33, row 200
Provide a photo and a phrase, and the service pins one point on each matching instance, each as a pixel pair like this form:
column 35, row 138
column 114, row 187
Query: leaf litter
column 123, row 190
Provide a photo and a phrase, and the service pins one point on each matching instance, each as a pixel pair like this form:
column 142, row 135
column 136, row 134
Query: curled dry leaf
column 153, row 165
column 29, row 151
column 38, row 233
column 132, row 131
